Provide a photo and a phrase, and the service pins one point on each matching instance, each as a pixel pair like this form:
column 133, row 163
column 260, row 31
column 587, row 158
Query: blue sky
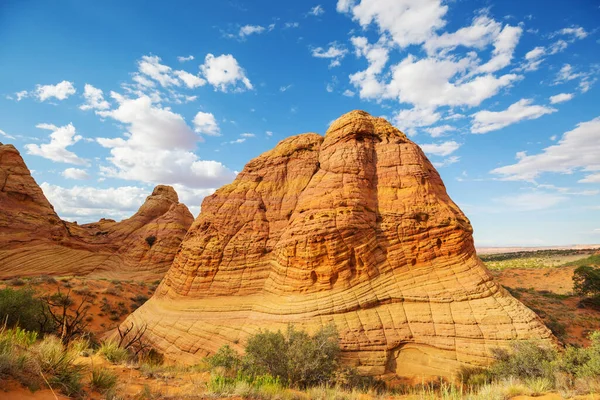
column 107, row 99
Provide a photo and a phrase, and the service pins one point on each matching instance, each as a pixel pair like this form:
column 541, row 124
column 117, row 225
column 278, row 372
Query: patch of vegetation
column 103, row 380
column 20, row 307
column 113, row 353
column 591, row 260
column 150, row 240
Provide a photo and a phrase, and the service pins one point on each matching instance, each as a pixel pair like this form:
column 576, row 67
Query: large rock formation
column 354, row 229
column 35, row 241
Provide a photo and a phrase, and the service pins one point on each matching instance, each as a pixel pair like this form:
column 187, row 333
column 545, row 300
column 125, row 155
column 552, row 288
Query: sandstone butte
column 35, row 241
column 355, row 229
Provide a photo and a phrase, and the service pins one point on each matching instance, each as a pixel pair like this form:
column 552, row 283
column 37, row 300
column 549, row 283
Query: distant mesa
column 35, row 241
column 354, row 228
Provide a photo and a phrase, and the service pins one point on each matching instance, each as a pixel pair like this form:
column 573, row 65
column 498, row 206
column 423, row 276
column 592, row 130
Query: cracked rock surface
column 354, row 228
column 35, row 241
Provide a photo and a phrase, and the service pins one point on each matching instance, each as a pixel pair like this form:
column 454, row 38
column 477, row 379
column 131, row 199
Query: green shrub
column 586, row 281
column 296, row 358
column 225, row 358
column 113, row 353
column 103, row 380
column 524, row 360
column 21, row 308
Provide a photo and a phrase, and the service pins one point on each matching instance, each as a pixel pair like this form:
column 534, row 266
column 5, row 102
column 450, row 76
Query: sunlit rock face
column 355, row 229
column 35, row 241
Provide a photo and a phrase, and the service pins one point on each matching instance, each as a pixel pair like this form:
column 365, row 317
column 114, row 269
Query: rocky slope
column 354, row 228
column 35, row 241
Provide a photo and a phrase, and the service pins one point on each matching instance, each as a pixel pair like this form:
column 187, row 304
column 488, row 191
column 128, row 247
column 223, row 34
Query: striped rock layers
column 35, row 241
column 354, row 229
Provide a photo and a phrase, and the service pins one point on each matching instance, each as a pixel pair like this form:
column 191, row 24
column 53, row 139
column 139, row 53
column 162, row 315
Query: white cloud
column 22, row 94
column 441, row 149
column 531, row 201
column 479, row 34
column 75, row 173
column 561, row 97
column 348, row 93
column 158, row 148
column 575, row 31
column 206, row 123
column 237, row 141
column 184, row 59
column 6, row 135
column 427, row 83
column 191, row 81
column 576, row 150
column 60, row 138
column 504, row 47
column 151, row 66
column 448, row 161
column 247, row 135
column 285, row 88
column 487, row 121
column 533, row 59
column 408, row 119
column 335, row 52
column 94, row 99
column 224, row 72
column 408, row 22
column 566, row 74
column 248, row 30
column 439, row 130
column 288, row 25
column 316, row 10
column 60, row 91
column 269, row 133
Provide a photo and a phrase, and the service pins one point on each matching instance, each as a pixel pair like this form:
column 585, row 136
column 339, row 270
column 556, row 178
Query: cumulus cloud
column 75, row 173
column 158, row 148
column 60, row 91
column 60, row 138
column 206, row 123
column 184, row 59
column 448, row 161
column 574, row 31
column 576, row 150
column 408, row 22
column 408, row 119
column 224, row 73
column 94, row 99
column 561, row 97
column 335, row 52
column 22, row 94
column 191, row 81
column 487, row 121
column 440, row 149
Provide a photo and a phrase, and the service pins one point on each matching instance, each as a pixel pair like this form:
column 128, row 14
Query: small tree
column 586, row 281
column 21, row 308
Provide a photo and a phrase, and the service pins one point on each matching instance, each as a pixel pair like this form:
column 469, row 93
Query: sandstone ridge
column 354, row 228
column 35, row 241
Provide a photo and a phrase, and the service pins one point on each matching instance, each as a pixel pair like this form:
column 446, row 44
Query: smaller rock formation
column 35, row 241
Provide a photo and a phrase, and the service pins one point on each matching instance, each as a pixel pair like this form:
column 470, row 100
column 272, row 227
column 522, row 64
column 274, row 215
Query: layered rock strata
column 355, row 229
column 35, row 241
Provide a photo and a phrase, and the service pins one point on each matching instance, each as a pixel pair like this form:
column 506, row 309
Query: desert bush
column 103, row 380
column 57, row 366
column 525, row 360
column 20, row 307
column 16, row 282
column 112, row 352
column 225, row 358
column 150, row 240
column 586, row 281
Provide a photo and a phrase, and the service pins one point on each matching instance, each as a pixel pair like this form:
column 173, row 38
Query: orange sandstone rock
column 354, row 229
column 35, row 241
